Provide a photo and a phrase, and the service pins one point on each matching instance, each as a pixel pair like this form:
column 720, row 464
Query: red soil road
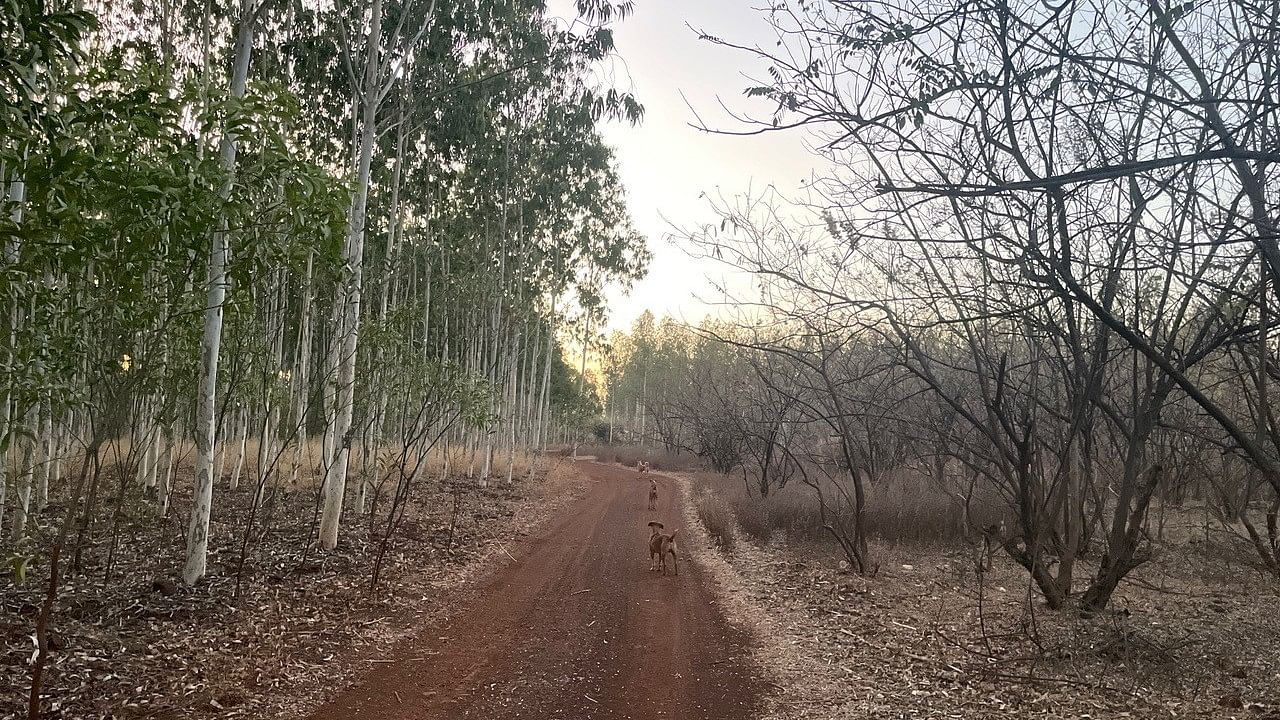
column 576, row 628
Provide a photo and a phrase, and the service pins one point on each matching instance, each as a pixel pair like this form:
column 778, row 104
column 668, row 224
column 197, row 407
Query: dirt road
column 576, row 628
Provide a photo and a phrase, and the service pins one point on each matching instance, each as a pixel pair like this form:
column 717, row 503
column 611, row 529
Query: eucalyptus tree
column 180, row 213
column 45, row 44
column 486, row 184
column 211, row 335
column 626, row 358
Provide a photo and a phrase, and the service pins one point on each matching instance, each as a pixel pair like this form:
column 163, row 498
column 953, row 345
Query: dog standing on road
column 653, row 494
column 660, row 545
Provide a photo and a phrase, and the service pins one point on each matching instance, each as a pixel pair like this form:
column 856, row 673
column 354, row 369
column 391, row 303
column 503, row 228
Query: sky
column 665, row 164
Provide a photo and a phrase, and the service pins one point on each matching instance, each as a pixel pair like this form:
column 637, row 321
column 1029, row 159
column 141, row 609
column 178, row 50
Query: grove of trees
column 296, row 232
column 1043, row 265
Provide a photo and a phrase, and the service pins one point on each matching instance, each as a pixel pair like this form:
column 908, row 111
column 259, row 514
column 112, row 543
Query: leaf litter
column 1188, row 636
column 136, row 643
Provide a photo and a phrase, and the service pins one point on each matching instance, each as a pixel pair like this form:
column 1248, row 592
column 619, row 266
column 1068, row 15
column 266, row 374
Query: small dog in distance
column 653, row 494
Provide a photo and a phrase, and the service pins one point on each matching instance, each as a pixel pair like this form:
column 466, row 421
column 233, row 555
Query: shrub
column 602, row 431
column 717, row 517
column 902, row 509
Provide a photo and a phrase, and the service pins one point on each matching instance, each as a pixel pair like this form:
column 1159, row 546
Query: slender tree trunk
column 301, row 376
column 17, row 195
column 241, row 420
column 336, row 475
column 22, row 508
column 545, row 402
column 44, row 461
column 211, row 339
column 164, row 478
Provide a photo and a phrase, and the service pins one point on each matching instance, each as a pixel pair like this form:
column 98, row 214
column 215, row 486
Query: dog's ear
column 655, row 523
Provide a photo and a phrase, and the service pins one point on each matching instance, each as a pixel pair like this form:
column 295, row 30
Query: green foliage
column 492, row 199
column 19, row 564
column 121, row 202
column 37, row 42
column 576, row 407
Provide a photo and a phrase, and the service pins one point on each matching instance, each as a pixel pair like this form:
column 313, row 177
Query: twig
column 1060, row 681
column 584, row 590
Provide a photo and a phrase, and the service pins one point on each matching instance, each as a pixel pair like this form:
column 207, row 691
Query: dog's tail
column 674, row 533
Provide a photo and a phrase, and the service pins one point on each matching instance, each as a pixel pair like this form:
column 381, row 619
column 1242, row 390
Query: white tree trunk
column 266, row 449
column 242, row 429
column 512, row 414
column 302, row 371
column 48, row 454
column 146, row 438
column 17, row 196
column 335, row 480
column 63, row 439
column 544, row 403
column 487, row 469
column 164, row 480
column 147, row 464
column 582, row 374
column 211, row 337
column 220, row 464
column 22, row 508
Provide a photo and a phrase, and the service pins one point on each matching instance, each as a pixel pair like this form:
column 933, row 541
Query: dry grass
column 901, row 510
column 379, row 466
column 1190, row 634
column 717, row 517
column 303, row 620
column 926, row 638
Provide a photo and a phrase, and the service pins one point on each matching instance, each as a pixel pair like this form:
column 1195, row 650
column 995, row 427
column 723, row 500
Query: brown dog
column 660, row 545
column 653, row 494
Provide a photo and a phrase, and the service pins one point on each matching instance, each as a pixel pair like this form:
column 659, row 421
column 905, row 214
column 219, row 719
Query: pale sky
column 665, row 164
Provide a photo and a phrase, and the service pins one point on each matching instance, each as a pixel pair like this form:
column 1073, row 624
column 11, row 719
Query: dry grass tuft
column 900, row 510
column 380, row 466
column 717, row 517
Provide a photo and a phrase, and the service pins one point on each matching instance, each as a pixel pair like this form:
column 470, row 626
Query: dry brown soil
column 577, row 627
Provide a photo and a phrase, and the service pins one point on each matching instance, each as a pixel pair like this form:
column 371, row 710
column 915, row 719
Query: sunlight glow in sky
column 666, row 165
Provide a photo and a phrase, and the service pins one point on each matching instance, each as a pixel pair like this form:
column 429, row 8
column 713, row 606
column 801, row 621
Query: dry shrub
column 791, row 511
column 379, row 466
column 602, row 453
column 717, row 517
column 911, row 509
column 903, row 509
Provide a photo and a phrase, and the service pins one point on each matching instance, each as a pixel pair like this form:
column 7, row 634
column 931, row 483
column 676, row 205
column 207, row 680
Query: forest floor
column 542, row 606
column 129, row 642
column 1192, row 634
